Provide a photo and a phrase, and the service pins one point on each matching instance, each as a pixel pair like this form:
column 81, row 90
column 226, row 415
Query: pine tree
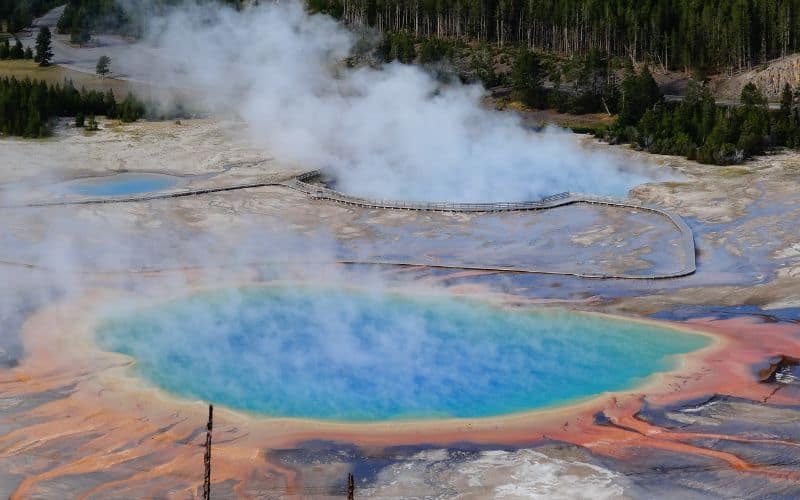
column 752, row 96
column 110, row 104
column 526, row 78
column 44, row 48
column 80, row 32
column 784, row 130
column 786, row 101
column 17, row 51
column 639, row 93
column 103, row 66
column 130, row 109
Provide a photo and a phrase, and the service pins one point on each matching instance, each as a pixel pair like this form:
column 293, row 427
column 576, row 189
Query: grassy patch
column 733, row 172
column 581, row 124
column 673, row 185
column 22, row 68
column 586, row 128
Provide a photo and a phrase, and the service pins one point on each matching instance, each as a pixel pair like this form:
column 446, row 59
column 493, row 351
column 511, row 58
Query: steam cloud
column 394, row 132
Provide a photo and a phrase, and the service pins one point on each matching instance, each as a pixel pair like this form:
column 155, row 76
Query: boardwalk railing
column 319, row 192
column 322, row 193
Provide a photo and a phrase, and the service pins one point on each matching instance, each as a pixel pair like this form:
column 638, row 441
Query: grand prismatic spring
column 339, row 355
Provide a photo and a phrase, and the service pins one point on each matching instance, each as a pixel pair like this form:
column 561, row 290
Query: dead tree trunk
column 207, row 457
column 351, row 487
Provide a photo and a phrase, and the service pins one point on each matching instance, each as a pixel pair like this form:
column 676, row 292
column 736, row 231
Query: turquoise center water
column 346, row 355
column 122, row 184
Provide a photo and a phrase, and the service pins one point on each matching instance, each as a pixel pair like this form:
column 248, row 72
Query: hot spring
column 122, row 184
column 337, row 354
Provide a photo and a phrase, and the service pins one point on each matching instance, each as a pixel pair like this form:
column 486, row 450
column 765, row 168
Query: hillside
column 769, row 78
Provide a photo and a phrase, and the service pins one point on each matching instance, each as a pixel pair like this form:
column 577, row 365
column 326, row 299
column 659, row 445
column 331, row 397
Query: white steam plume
column 394, row 132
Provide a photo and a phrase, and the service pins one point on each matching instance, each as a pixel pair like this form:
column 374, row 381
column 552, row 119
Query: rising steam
column 394, row 132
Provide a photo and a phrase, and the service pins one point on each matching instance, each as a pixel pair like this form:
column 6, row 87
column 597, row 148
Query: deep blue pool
column 122, row 184
column 345, row 355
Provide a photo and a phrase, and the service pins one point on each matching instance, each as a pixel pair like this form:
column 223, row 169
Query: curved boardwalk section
column 685, row 240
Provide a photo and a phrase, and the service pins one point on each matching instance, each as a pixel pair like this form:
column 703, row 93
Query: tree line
column 697, row 127
column 704, row 35
column 44, row 48
column 80, row 17
column 534, row 79
column 676, row 34
column 16, row 15
column 27, row 106
column 15, row 51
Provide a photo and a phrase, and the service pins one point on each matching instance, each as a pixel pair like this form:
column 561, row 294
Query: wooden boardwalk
column 321, row 193
column 318, row 192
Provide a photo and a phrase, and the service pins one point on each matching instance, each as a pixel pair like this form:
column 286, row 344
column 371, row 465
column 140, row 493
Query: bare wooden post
column 207, row 457
column 351, row 487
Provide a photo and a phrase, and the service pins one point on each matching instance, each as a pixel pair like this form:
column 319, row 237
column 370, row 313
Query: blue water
column 122, row 184
column 344, row 355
